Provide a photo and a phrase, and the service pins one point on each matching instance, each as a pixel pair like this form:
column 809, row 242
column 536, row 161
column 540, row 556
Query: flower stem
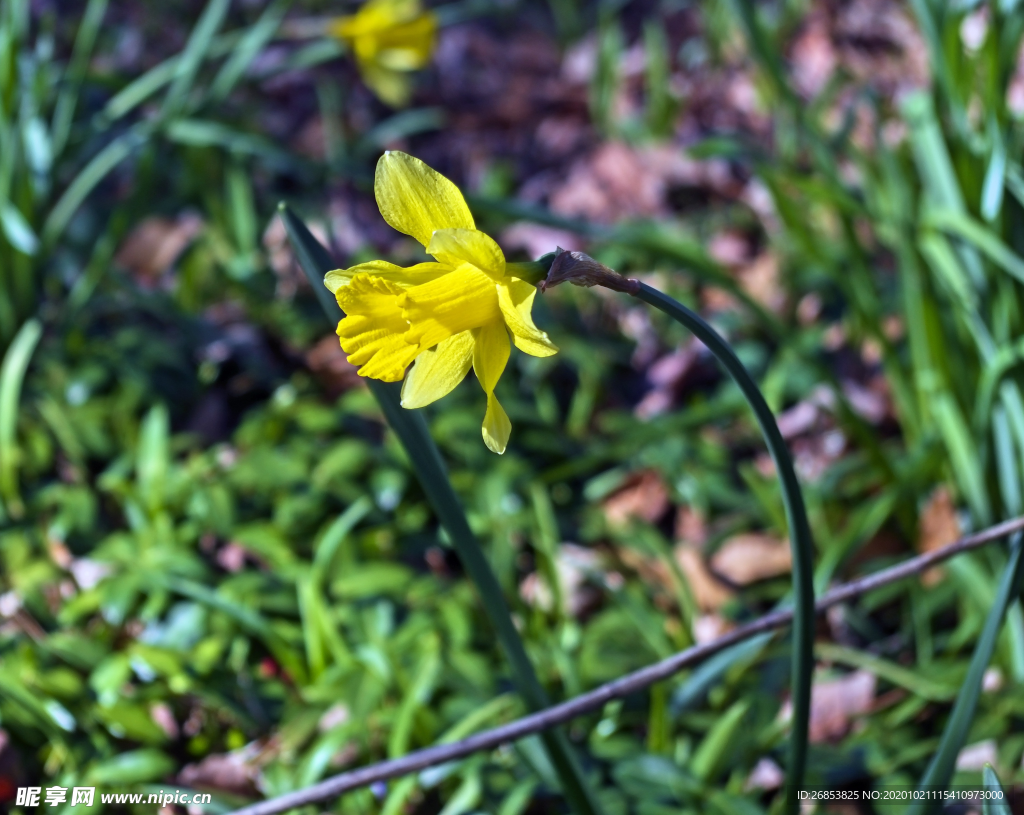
column 412, row 431
column 796, row 517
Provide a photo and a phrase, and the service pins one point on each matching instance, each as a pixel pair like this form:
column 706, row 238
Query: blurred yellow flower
column 444, row 316
column 389, row 38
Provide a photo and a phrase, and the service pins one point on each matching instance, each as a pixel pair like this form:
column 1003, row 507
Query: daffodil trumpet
column 389, row 39
column 442, row 317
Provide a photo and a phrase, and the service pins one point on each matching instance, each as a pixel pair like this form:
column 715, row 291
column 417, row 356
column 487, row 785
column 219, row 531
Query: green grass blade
column 64, row 110
column 247, row 618
column 961, row 225
column 248, row 47
column 412, row 431
column 142, row 88
column 963, row 454
column 12, row 374
column 796, row 517
column 336, row 533
column 204, row 133
column 929, row 23
column 943, row 764
column 708, row 756
column 998, row 805
column 192, row 57
column 935, row 167
column 891, row 672
column 84, row 183
column 17, row 229
column 995, row 179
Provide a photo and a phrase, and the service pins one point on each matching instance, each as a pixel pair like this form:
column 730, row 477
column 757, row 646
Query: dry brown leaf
column 231, row 557
column 151, row 248
column 799, row 419
column 730, row 247
column 879, row 43
column 709, row 627
column 760, row 279
column 562, row 136
column 835, row 703
column 537, row 240
column 871, row 403
column 976, row 756
column 573, row 564
column 667, row 375
column 709, row 593
column 992, row 680
column 937, row 527
column 311, row 140
column 330, row 364
column 163, row 716
column 691, row 527
column 610, row 184
column 616, row 181
column 536, row 593
column 230, row 772
column 335, row 716
column 650, row 569
column 1015, row 89
column 812, row 456
column 644, row 496
column 713, row 298
column 751, row 556
column 766, row 775
column 813, row 58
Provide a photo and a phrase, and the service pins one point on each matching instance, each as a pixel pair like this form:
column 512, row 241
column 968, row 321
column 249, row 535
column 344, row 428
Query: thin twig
column 624, row 686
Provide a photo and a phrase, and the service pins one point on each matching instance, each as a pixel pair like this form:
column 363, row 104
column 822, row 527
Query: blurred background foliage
column 217, row 569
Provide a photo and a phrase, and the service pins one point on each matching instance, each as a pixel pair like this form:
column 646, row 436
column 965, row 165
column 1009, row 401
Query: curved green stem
column 796, row 517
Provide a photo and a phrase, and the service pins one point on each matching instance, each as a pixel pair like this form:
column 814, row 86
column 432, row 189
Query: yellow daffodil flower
column 444, row 316
column 389, row 38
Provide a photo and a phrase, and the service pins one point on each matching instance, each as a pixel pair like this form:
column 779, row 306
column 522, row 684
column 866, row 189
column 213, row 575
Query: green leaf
column 995, row 178
column 84, row 183
column 157, row 77
column 12, row 374
column 954, row 735
column 895, row 674
column 205, row 133
column 251, row 43
column 67, row 100
column 199, row 44
column 970, row 230
column 997, row 804
column 963, row 454
column 18, row 230
column 132, row 767
column 327, row 546
column 718, row 740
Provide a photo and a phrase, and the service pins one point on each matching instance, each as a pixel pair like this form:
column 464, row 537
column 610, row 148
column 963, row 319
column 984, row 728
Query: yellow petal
column 490, row 353
column 457, row 246
column 372, row 332
column 463, row 299
column 436, row 372
column 417, row 200
column 404, row 278
column 391, row 87
column 375, row 16
column 515, row 298
column 496, row 428
column 408, row 46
